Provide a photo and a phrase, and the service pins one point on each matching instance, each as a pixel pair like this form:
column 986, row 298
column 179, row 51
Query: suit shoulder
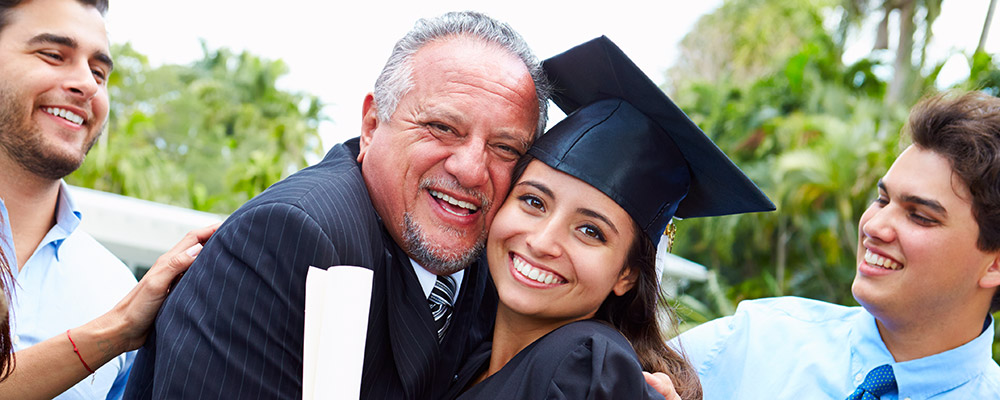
column 332, row 193
column 337, row 176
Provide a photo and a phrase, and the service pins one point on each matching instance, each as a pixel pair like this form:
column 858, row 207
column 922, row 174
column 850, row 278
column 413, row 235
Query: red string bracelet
column 77, row 351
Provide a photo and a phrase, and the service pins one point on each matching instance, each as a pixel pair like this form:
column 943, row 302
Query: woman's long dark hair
column 637, row 316
column 636, row 313
column 6, row 344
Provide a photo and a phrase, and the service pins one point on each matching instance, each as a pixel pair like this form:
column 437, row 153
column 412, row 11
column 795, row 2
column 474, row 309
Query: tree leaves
column 208, row 136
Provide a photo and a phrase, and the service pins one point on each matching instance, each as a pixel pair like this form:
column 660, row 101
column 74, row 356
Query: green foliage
column 984, row 74
column 207, row 136
column 810, row 137
column 813, row 133
column 741, row 41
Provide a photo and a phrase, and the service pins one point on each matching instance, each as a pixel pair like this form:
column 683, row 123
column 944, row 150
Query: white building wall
column 137, row 231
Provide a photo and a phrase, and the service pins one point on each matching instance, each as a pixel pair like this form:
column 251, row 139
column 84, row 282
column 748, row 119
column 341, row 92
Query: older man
column 459, row 101
column 54, row 63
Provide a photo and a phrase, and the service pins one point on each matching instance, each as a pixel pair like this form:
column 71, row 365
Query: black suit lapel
column 471, row 322
column 411, row 328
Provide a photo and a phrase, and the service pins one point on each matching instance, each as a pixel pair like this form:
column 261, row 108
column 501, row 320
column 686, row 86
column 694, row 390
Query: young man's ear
column 991, row 278
column 626, row 281
column 369, row 123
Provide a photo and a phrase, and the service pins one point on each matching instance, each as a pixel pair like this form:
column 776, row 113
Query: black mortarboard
column 626, row 138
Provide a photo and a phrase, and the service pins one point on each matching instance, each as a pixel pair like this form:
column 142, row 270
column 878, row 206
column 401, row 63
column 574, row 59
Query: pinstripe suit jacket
column 232, row 328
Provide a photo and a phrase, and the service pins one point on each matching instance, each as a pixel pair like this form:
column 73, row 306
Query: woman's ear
column 626, row 281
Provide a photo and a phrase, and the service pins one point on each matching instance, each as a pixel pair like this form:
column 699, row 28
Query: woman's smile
column 558, row 246
column 536, row 274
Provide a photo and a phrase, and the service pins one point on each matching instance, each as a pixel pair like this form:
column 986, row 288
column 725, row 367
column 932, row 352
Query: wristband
column 77, row 351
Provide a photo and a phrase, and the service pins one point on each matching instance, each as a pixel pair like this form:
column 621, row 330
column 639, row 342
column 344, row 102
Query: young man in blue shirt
column 928, row 267
column 53, row 106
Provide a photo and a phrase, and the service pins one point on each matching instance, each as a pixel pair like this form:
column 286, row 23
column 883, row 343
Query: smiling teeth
column 533, row 273
column 879, row 261
column 455, row 202
column 65, row 114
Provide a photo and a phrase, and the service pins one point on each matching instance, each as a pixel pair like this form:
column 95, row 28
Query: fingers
column 193, row 237
column 169, row 267
column 202, row 234
column 181, row 261
column 180, row 264
column 661, row 383
column 131, row 318
column 174, row 262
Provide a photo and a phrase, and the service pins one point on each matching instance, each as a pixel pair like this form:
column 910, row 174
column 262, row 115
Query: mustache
column 452, row 185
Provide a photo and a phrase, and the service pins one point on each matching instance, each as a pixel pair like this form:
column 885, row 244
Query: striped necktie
column 878, row 382
column 441, row 300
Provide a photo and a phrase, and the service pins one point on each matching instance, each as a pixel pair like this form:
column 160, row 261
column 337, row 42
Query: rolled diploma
column 336, row 325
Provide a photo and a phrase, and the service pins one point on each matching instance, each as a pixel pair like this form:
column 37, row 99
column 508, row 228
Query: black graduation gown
column 581, row 360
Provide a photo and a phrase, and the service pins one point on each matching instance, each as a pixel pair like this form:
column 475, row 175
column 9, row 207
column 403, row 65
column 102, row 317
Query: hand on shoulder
column 133, row 315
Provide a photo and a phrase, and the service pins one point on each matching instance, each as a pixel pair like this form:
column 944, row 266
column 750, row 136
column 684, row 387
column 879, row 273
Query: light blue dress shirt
column 795, row 348
column 68, row 281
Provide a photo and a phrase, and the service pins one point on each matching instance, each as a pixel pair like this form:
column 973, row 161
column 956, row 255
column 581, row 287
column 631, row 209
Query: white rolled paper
column 336, row 325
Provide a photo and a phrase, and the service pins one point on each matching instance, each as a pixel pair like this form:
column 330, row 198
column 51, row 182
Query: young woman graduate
column 572, row 249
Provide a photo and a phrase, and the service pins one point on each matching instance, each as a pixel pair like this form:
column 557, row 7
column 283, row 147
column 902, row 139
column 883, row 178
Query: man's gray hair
column 396, row 77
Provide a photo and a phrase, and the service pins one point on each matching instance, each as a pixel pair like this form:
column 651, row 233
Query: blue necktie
column 878, row 382
column 441, row 301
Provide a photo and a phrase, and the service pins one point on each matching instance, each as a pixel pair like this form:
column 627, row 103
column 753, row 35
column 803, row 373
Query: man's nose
column 879, row 226
column 468, row 164
column 81, row 82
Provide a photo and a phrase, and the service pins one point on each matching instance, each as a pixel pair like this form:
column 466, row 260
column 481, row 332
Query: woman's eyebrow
column 594, row 214
column 540, row 186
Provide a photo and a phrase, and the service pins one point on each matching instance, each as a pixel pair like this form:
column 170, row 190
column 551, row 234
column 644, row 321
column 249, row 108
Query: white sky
column 336, row 51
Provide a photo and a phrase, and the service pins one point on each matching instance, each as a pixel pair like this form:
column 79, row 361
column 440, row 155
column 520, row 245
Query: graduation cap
column 626, row 138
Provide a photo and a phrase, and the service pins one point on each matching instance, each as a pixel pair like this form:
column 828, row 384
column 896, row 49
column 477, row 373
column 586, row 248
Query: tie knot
column 441, row 300
column 444, row 291
column 878, row 382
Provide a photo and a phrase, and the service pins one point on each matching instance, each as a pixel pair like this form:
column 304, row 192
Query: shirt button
column 907, row 398
column 859, row 377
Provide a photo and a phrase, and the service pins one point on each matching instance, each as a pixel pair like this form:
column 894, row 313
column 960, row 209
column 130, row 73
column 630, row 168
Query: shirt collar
column 943, row 371
column 427, row 279
column 926, row 376
column 67, row 220
column 867, row 349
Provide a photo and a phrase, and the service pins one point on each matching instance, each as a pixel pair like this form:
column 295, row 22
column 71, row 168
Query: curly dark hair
column 964, row 128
